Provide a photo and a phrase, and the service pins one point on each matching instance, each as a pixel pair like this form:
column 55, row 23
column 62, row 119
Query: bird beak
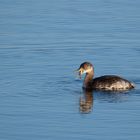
column 80, row 71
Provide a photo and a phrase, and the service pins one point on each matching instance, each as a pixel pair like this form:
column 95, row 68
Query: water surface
column 42, row 43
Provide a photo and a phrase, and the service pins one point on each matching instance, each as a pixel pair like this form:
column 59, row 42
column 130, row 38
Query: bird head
column 85, row 67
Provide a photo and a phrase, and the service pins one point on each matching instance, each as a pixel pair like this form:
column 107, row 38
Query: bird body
column 106, row 82
column 111, row 82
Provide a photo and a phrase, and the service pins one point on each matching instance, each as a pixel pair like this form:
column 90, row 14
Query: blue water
column 42, row 43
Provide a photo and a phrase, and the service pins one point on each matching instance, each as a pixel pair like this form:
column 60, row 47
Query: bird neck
column 88, row 79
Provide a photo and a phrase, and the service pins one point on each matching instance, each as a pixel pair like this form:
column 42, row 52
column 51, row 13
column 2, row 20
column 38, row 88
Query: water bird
column 104, row 83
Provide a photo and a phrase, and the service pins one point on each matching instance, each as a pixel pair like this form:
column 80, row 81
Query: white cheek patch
column 84, row 71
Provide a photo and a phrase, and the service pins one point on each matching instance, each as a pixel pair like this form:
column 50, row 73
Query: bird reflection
column 86, row 101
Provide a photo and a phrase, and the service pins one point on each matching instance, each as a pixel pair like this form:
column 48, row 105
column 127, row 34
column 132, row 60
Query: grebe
column 106, row 82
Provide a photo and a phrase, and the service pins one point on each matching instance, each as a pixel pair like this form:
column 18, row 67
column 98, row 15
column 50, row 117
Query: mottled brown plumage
column 107, row 82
